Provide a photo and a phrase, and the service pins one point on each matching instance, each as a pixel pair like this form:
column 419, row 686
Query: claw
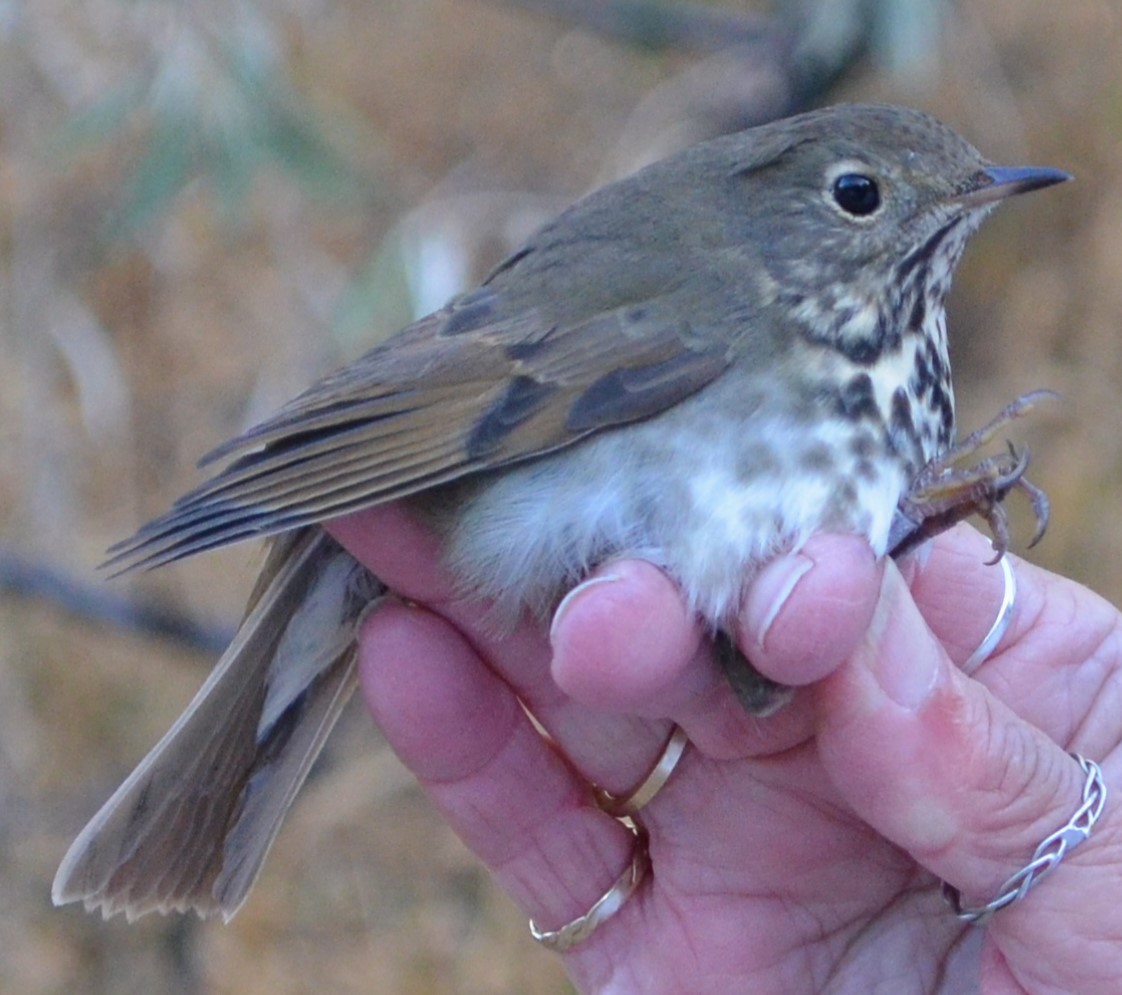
column 984, row 435
column 942, row 495
column 1041, row 508
column 998, row 521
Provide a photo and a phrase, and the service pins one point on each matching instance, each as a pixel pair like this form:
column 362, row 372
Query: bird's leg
column 943, row 494
column 760, row 696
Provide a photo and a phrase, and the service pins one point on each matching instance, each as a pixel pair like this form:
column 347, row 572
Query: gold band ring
column 623, row 806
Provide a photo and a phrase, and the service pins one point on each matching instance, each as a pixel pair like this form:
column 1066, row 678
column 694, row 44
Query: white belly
column 707, row 499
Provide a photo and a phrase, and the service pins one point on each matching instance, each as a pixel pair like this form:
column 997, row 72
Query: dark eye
column 856, row 194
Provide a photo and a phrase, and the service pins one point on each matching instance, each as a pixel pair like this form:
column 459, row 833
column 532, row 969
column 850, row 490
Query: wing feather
column 465, row 389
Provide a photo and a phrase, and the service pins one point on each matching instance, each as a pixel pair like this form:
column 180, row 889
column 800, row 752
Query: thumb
column 939, row 766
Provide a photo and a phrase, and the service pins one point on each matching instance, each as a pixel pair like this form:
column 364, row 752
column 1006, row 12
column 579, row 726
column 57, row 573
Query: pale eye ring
column 857, row 194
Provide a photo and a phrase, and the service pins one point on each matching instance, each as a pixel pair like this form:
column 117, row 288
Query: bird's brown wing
column 464, row 389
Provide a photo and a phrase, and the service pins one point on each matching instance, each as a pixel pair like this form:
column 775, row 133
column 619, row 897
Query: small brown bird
column 702, row 365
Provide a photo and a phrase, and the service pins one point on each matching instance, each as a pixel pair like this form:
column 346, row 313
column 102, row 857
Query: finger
column 805, row 613
column 399, row 549
column 626, row 640
column 959, row 590
column 1058, row 659
column 943, row 769
column 614, row 751
column 507, row 794
column 802, row 616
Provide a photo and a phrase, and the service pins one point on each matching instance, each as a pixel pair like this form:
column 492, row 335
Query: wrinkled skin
column 800, row 853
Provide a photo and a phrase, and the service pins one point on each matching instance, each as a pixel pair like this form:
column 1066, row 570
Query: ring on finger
column 1048, row 854
column 607, row 905
column 1000, row 623
column 623, row 806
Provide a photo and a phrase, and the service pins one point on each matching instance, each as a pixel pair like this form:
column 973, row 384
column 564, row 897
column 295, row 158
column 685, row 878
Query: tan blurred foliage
column 203, row 205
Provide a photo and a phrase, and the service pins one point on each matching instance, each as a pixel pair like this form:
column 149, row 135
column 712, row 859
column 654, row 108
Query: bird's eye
column 857, row 194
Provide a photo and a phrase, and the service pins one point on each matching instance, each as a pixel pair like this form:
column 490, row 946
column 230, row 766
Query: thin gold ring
column 625, row 806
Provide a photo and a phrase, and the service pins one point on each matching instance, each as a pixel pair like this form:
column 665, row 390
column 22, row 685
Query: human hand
column 800, row 853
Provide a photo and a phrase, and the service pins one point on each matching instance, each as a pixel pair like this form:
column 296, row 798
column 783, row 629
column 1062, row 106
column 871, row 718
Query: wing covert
column 465, row 389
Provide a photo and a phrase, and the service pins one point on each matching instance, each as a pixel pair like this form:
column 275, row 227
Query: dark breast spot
column 939, row 372
column 862, row 351
column 866, row 469
column 856, row 399
column 918, row 314
column 754, row 462
column 888, row 330
column 863, row 446
column 816, row 458
column 946, row 416
column 837, row 327
column 843, row 316
column 923, row 377
column 901, row 418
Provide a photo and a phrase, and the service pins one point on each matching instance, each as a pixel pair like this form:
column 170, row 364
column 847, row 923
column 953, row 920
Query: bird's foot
column 943, row 494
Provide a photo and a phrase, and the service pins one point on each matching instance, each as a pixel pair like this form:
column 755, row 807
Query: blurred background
column 204, row 204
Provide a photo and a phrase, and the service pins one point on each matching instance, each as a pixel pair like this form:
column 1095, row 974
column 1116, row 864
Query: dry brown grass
column 471, row 121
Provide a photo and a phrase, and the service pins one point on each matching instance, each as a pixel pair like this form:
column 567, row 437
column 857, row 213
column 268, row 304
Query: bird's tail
column 190, row 827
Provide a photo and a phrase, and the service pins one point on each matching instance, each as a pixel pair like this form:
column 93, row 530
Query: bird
column 701, row 364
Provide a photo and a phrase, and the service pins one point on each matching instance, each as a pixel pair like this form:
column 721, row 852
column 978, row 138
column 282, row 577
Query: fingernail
column 576, row 592
column 900, row 653
column 770, row 591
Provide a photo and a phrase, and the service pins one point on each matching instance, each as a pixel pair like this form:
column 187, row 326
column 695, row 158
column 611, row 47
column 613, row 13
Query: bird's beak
column 998, row 182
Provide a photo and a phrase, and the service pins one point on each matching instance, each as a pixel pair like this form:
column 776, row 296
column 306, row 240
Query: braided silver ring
column 1047, row 856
